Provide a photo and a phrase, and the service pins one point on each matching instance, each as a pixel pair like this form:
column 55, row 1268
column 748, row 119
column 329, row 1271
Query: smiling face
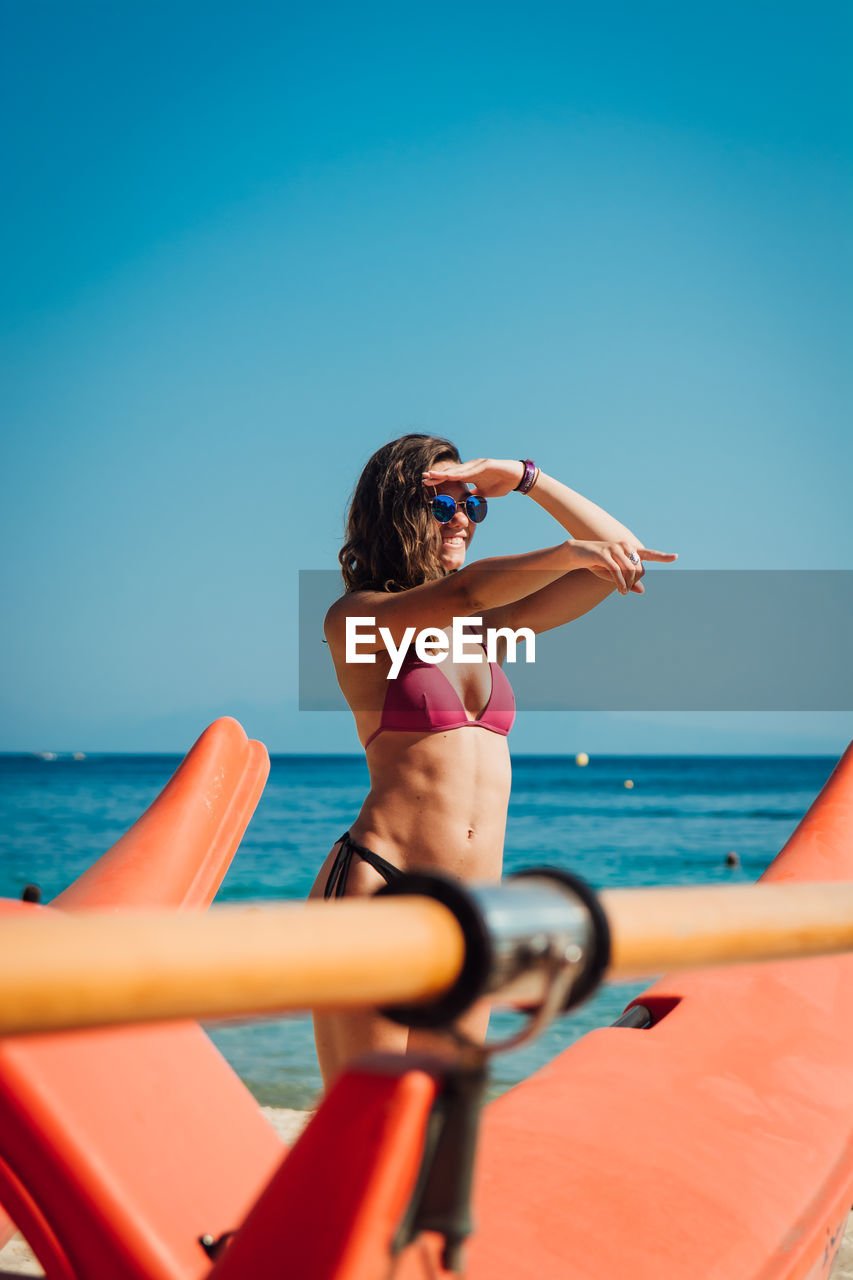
column 454, row 536
column 393, row 542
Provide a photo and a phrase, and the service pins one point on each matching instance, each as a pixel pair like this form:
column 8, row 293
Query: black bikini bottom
column 337, row 881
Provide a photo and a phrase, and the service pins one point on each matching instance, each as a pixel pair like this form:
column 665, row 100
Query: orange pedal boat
column 103, row 1133
column 715, row 1143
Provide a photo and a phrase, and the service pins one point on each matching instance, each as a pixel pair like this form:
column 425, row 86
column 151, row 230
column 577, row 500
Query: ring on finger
column 634, row 558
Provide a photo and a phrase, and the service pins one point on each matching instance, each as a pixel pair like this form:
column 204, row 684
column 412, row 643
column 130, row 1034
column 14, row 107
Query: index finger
column 646, row 554
column 456, row 470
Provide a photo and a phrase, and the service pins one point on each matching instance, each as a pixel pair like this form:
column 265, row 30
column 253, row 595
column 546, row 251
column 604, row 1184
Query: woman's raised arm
column 481, row 586
column 495, row 477
column 551, row 604
column 581, row 518
column 485, row 584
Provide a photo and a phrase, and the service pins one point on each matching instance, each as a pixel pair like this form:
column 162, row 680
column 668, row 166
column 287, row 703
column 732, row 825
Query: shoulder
column 354, row 604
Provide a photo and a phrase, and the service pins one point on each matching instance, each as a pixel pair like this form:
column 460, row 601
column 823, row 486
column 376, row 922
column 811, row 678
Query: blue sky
column 243, row 245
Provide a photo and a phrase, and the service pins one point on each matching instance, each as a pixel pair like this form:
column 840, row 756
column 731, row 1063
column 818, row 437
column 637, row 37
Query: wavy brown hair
column 390, row 538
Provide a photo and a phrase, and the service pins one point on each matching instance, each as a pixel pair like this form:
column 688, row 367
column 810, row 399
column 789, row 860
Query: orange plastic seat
column 716, row 1144
column 123, row 1143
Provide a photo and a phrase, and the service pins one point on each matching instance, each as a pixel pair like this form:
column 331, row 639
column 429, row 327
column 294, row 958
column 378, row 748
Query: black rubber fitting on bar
column 477, row 964
column 596, row 963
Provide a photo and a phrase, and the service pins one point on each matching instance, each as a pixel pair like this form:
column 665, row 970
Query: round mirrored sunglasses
column 444, row 508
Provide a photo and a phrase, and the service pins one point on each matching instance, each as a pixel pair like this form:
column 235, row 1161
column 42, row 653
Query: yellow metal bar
column 78, row 969
column 95, row 968
column 656, row 930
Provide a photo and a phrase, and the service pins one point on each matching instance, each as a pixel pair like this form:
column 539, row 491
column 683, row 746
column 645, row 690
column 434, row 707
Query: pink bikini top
column 422, row 700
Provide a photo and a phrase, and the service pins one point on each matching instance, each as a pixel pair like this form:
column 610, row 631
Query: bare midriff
column 438, row 801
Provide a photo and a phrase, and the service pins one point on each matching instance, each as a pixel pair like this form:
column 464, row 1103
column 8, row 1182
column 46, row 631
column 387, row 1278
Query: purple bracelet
column 526, row 482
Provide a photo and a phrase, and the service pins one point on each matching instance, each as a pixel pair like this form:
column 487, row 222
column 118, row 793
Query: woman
column 435, row 736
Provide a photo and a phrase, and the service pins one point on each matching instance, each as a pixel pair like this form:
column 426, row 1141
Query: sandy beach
column 17, row 1260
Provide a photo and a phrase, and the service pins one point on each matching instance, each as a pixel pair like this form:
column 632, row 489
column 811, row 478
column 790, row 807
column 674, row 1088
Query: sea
column 675, row 825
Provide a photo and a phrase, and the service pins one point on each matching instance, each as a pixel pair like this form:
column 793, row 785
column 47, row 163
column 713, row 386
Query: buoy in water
column 581, row 758
column 628, row 784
